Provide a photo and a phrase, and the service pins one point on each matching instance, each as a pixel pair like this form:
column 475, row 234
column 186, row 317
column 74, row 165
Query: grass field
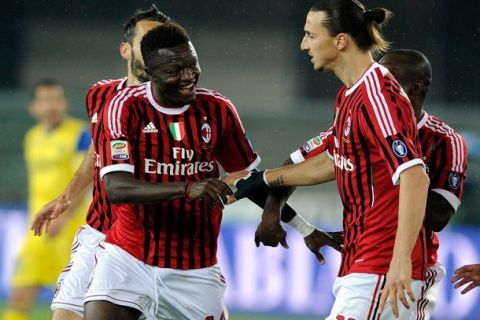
column 42, row 312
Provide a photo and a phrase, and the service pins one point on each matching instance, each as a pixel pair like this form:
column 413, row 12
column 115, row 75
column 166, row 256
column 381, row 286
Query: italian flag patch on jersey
column 178, row 130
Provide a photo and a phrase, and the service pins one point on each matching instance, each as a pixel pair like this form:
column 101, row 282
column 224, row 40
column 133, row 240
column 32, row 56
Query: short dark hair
column 151, row 14
column 167, row 35
column 414, row 66
column 45, row 82
column 350, row 16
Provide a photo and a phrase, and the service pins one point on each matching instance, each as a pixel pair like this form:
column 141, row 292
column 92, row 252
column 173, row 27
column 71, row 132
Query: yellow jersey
column 52, row 158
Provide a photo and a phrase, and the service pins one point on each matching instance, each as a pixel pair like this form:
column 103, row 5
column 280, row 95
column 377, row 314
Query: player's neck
column 132, row 80
column 352, row 66
column 50, row 126
column 419, row 114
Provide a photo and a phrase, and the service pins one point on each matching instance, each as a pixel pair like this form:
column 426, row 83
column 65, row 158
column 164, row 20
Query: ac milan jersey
column 445, row 156
column 375, row 139
column 313, row 147
column 100, row 215
column 162, row 145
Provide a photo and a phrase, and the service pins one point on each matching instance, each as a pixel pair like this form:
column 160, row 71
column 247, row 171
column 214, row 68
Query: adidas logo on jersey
column 94, row 118
column 150, row 128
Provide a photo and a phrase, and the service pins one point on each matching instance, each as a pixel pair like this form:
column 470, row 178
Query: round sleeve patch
column 399, row 148
column 454, row 180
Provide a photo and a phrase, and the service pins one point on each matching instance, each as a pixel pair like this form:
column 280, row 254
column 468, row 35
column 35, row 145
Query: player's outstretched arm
column 270, row 231
column 467, row 274
column 122, row 187
column 412, row 202
column 316, row 170
column 71, row 195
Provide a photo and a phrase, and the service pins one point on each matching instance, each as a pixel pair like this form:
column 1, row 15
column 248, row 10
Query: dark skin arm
column 270, row 232
column 122, row 187
column 439, row 212
column 313, row 171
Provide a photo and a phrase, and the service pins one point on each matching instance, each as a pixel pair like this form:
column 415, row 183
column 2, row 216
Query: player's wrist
column 249, row 184
column 301, row 225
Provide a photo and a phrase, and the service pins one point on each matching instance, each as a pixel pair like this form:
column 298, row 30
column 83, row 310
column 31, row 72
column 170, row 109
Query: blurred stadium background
column 249, row 51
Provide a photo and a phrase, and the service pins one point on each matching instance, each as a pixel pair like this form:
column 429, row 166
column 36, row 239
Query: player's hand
column 398, row 285
column 232, row 178
column 467, row 274
column 211, row 190
column 271, row 233
column 49, row 212
column 318, row 239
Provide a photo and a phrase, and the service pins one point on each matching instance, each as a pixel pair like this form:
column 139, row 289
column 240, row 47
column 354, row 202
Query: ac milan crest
column 206, row 133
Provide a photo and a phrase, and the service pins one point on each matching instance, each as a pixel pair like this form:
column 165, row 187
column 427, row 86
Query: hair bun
column 377, row 15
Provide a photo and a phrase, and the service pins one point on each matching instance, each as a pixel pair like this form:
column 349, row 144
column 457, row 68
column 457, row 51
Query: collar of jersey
column 160, row 108
column 422, row 121
column 362, row 78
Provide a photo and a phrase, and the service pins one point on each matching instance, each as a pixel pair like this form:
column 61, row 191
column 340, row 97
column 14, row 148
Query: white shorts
column 430, row 290
column 159, row 293
column 73, row 281
column 357, row 296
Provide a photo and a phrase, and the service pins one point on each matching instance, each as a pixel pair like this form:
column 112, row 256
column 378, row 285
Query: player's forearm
column 271, row 204
column 412, row 203
column 82, row 178
column 122, row 187
column 316, row 170
column 277, row 200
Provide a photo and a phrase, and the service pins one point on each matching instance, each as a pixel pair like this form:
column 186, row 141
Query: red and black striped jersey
column 100, row 215
column 313, row 147
column 445, row 156
column 162, row 145
column 375, row 139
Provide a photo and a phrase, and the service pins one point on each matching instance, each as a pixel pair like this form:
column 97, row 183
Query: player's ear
column 341, row 41
column 125, row 50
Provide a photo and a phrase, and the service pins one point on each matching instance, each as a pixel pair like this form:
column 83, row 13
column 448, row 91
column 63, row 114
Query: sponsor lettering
column 183, row 165
column 182, row 153
column 342, row 162
column 178, row 168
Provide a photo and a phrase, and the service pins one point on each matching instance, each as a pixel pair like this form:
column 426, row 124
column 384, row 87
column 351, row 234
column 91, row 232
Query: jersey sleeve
column 84, row 141
column 234, row 151
column 448, row 176
column 89, row 100
column 81, row 147
column 388, row 122
column 116, row 148
column 315, row 146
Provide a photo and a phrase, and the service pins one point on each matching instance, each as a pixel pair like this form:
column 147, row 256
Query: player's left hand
column 49, row 212
column 271, row 233
column 467, row 274
column 318, row 239
column 399, row 278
